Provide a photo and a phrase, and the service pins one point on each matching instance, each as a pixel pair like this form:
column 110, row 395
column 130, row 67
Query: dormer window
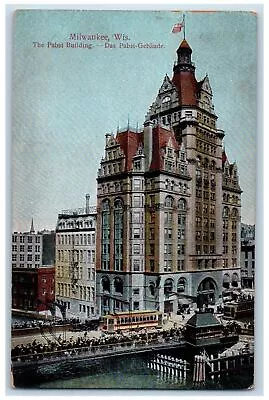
column 166, row 99
column 137, row 165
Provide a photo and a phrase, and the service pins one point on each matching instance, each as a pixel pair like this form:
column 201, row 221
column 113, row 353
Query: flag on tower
column 178, row 27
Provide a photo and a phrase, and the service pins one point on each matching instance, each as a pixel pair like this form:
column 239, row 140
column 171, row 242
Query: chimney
column 87, row 203
column 148, row 143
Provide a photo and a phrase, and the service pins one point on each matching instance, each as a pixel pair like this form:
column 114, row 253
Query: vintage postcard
column 133, row 199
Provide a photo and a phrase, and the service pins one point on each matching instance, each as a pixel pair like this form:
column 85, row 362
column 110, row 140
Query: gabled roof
column 203, row 319
column 160, row 138
column 129, row 142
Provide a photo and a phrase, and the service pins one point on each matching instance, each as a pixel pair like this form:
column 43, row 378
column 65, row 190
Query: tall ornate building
column 75, row 261
column 168, row 203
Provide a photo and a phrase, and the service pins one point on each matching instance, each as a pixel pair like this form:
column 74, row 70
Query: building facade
column 27, row 249
column 33, row 289
column 75, row 261
column 33, row 255
column 248, row 256
column 168, row 203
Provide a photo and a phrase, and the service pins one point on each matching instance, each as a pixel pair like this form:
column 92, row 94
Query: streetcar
column 133, row 320
column 238, row 309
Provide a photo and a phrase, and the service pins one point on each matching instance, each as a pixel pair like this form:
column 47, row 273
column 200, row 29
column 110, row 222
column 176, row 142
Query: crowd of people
column 44, row 323
column 60, row 346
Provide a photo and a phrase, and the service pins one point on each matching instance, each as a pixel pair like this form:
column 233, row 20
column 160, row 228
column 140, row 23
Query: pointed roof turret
column 184, row 45
column 184, row 75
column 32, row 229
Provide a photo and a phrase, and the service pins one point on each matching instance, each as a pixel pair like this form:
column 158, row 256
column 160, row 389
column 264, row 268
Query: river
column 124, row 372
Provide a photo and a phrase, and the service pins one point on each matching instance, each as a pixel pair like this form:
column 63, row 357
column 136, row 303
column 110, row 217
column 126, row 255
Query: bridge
column 94, row 353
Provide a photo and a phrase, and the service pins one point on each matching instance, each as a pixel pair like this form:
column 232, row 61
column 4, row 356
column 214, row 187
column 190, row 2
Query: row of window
column 72, row 224
column 225, row 236
column 230, row 182
column 22, row 248
column 227, row 198
column 111, row 187
column 206, row 148
column 84, row 292
column 63, row 271
column 23, row 257
column 108, row 169
column 206, row 222
column 206, row 264
column 205, row 194
column 24, row 265
column 205, row 208
column 226, row 249
column 205, row 163
column 78, row 239
column 204, row 133
column 171, row 152
column 177, row 168
column 30, row 239
column 225, row 263
column 232, row 223
column 204, row 118
column 85, row 256
column 181, row 187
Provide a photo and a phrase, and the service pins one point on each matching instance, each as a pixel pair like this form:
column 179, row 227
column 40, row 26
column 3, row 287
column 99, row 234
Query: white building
column 75, row 261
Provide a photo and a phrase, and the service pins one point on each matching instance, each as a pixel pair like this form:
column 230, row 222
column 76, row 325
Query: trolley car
column 238, row 309
column 133, row 320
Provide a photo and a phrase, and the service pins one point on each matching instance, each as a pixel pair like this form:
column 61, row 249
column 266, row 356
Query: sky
column 64, row 100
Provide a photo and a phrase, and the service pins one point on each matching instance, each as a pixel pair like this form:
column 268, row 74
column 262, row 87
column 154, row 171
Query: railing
column 95, row 350
column 79, row 211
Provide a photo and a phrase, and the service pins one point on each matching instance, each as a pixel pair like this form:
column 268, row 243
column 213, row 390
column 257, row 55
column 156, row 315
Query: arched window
column 166, row 99
column 181, row 285
column 225, row 213
column 169, row 201
column 213, row 165
column 118, row 285
column 206, row 163
column 168, row 286
column 152, row 288
column 226, row 281
column 182, row 205
column 105, row 284
column 234, row 213
column 235, row 279
column 118, row 235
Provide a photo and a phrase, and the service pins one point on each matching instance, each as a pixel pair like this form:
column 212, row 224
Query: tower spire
column 32, row 229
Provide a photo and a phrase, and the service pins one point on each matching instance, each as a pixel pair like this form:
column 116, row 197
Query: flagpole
column 184, row 26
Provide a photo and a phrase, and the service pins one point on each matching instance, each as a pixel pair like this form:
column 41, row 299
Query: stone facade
column 168, row 203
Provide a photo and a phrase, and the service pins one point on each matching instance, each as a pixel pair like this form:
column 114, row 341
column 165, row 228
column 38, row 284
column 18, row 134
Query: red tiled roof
column 186, row 85
column 224, row 157
column 129, row 142
column 160, row 138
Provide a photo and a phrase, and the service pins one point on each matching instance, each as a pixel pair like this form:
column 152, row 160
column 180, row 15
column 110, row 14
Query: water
column 125, row 372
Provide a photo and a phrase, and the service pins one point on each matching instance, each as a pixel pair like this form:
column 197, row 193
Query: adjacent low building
column 33, row 289
column 248, row 256
column 33, row 270
column 75, row 261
